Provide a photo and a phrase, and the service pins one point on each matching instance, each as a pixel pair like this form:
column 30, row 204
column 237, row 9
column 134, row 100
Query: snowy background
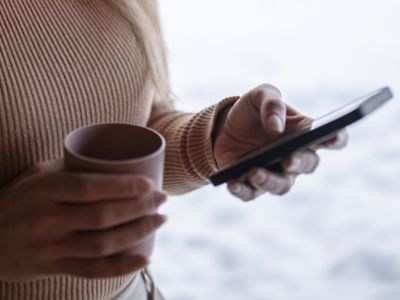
column 337, row 234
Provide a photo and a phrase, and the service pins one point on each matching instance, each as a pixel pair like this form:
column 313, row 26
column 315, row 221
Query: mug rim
column 116, row 161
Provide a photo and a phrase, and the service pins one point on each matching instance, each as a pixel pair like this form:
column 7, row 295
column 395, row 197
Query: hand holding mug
column 75, row 223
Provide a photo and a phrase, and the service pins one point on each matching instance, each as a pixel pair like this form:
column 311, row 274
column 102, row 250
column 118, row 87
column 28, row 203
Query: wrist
column 217, row 131
column 219, row 123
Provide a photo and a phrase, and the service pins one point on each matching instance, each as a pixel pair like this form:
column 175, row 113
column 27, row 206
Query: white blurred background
column 337, row 234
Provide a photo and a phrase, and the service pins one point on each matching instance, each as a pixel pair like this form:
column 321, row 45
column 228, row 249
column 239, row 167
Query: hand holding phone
column 271, row 154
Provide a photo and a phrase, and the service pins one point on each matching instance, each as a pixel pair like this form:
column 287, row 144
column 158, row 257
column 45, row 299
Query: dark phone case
column 270, row 157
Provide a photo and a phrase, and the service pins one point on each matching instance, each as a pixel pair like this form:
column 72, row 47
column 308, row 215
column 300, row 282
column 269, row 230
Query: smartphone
column 322, row 129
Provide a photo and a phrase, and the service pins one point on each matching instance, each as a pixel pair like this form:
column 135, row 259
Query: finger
column 95, row 244
column 100, row 268
column 296, row 120
column 277, row 184
column 241, row 190
column 267, row 99
column 107, row 214
column 302, row 162
column 65, row 187
column 39, row 168
column 338, row 142
column 51, row 166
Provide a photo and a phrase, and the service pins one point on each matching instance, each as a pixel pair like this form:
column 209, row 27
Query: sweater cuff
column 199, row 139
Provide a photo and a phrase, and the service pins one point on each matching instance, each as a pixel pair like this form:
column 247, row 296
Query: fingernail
column 159, row 220
column 236, row 188
column 276, row 122
column 159, row 198
column 295, row 164
column 259, row 177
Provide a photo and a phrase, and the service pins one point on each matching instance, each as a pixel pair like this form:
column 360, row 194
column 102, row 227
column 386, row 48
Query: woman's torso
column 63, row 64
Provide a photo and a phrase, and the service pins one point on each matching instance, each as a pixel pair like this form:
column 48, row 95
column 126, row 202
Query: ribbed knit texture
column 65, row 64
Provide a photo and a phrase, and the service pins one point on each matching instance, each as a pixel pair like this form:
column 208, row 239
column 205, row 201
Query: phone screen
column 319, row 122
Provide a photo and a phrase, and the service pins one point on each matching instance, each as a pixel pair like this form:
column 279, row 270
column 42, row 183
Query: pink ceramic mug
column 118, row 148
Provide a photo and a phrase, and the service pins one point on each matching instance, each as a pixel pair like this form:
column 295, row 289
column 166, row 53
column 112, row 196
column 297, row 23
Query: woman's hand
column 256, row 119
column 75, row 223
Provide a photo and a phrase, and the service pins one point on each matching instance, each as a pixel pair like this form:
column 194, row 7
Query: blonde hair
column 143, row 15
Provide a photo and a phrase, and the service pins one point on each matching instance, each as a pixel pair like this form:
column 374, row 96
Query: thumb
column 50, row 166
column 267, row 99
column 273, row 116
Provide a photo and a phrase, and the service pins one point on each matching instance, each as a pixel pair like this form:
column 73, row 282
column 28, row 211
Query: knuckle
column 246, row 192
column 233, row 187
column 253, row 175
column 286, row 186
column 238, row 189
column 317, row 161
column 268, row 181
column 312, row 160
column 81, row 185
column 259, row 177
column 284, row 190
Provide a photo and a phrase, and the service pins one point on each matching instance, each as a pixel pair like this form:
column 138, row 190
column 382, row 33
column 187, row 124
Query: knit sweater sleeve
column 189, row 156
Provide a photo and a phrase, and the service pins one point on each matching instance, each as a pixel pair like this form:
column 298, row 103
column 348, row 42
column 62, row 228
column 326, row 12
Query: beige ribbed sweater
column 65, row 64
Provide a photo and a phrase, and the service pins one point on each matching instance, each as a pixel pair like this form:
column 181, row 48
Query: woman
column 66, row 64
